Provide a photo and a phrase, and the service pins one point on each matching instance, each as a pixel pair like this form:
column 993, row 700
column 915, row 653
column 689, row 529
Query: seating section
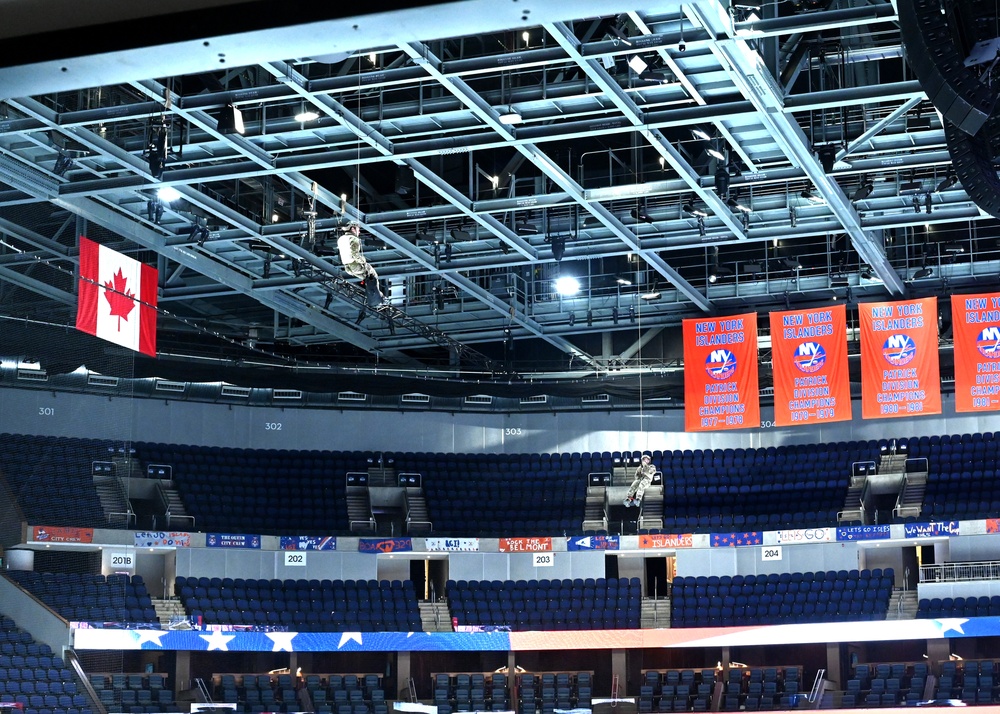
column 886, row 685
column 83, row 597
column 983, row 606
column 543, row 693
column 324, row 694
column 774, row 599
column 267, row 491
column 53, row 478
column 962, row 480
column 34, row 678
column 528, row 494
column 676, row 690
column 470, row 692
column 591, row 604
column 972, row 681
column 758, row 489
column 756, row 688
column 303, row 605
column 134, row 693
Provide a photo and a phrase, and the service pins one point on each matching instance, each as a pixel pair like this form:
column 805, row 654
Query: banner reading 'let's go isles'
column 899, row 363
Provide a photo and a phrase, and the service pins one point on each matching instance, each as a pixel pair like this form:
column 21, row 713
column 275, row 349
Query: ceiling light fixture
column 523, row 228
column 715, row 153
column 558, row 247
column 622, row 280
column 168, row 194
column 510, row 117
column 567, row 285
column 701, row 134
column 460, row 234
column 812, row 197
column 306, row 115
column 691, row 210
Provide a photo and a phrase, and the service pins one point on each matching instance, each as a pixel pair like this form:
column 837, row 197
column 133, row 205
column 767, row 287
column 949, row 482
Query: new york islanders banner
column 809, row 358
column 720, row 373
column 899, row 358
column 117, row 298
column 975, row 321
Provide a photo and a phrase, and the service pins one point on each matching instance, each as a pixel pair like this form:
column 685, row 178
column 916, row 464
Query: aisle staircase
column 434, row 616
column 655, row 613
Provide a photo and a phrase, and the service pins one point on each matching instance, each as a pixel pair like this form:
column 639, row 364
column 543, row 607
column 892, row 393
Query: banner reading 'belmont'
column 975, row 321
column 899, row 358
column 720, row 373
column 809, row 358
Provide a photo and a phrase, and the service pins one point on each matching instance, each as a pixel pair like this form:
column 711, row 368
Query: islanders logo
column 988, row 342
column 720, row 364
column 810, row 357
column 899, row 350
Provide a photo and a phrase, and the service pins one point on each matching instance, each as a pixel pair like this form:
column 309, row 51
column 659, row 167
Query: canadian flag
column 117, row 298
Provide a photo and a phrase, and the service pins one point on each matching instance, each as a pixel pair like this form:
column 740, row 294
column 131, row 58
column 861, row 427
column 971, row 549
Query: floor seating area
column 303, row 605
column 134, row 693
column 982, row 606
column 33, row 677
column 591, row 604
column 86, row 597
column 962, row 479
column 53, row 478
column 324, row 694
column 972, row 681
column 529, row 494
column 886, row 685
column 542, row 693
column 721, row 601
column 473, row 692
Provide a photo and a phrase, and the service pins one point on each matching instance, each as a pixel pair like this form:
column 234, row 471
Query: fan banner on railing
column 809, row 357
column 720, row 373
column 899, row 358
column 117, row 298
column 975, row 321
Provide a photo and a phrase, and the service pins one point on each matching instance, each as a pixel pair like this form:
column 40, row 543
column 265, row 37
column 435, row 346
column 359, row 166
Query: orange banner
column 720, row 373
column 62, row 534
column 809, row 358
column 975, row 323
column 899, row 358
column 525, row 545
column 664, row 540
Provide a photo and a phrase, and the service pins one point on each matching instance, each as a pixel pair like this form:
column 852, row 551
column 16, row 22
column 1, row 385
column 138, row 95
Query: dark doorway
column 657, row 584
column 610, row 566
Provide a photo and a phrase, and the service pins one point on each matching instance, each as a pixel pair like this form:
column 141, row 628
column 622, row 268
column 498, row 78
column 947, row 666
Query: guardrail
column 956, row 572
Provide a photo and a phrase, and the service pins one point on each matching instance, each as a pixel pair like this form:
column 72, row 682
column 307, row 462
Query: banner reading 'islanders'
column 809, row 358
column 899, row 358
column 720, row 373
column 975, row 321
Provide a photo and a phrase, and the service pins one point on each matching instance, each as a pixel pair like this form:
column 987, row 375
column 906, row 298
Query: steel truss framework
column 671, row 157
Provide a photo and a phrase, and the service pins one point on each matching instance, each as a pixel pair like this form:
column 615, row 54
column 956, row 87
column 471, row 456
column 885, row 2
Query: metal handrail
column 171, row 516
column 956, row 572
column 817, row 688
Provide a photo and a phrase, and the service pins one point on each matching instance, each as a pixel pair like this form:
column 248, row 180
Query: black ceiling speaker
column 972, row 159
column 938, row 60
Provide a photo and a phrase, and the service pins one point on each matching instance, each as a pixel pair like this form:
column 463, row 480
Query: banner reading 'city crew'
column 720, row 373
column 899, row 358
column 975, row 323
column 809, row 358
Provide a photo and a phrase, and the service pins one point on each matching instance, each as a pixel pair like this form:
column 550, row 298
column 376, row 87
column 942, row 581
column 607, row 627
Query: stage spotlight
column 812, row 197
column 722, row 182
column 168, row 194
column 63, row 164
column 640, row 214
column 623, row 280
column 922, row 272
column 230, row 120
column 510, row 117
column 863, row 191
column 523, row 228
column 306, row 115
column 558, row 247
column 791, row 263
column 827, row 157
column 459, row 234
column 946, row 183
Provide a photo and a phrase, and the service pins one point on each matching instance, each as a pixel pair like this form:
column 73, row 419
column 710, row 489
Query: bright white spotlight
column 168, row 194
column 567, row 285
column 306, row 115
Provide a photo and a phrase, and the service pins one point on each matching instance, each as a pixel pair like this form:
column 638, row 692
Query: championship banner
column 899, row 358
column 117, row 298
column 809, row 356
column 975, row 321
column 720, row 373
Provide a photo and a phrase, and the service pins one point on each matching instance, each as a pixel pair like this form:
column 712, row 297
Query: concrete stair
column 655, row 614
column 114, row 502
column 594, row 517
column 434, row 616
column 176, row 514
column 902, row 605
column 418, row 520
column 359, row 510
column 911, row 498
column 169, row 612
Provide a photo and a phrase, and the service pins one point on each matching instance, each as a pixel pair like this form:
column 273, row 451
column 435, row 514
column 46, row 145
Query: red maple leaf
column 119, row 298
